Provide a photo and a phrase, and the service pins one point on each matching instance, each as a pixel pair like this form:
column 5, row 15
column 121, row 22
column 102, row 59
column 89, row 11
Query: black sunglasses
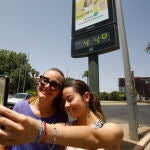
column 53, row 84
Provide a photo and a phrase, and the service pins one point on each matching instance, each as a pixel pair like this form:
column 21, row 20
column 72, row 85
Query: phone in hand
column 4, row 89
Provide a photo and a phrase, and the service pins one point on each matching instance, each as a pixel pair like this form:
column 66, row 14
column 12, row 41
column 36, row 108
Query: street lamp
column 128, row 79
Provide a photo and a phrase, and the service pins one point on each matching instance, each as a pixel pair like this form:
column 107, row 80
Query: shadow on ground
column 143, row 133
column 130, row 145
column 125, row 145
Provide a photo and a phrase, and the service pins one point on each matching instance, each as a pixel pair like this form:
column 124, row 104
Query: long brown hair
column 94, row 103
column 57, row 103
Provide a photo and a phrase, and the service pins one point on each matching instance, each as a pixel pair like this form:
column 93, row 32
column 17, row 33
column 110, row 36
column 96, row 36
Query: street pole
column 133, row 125
column 94, row 73
column 18, row 87
column 24, row 83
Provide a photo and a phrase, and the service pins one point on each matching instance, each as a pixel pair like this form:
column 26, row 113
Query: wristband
column 40, row 132
column 43, row 139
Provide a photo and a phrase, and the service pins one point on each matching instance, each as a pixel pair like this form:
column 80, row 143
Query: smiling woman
column 46, row 106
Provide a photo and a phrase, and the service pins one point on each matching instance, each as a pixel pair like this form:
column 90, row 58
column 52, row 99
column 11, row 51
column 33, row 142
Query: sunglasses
column 53, row 84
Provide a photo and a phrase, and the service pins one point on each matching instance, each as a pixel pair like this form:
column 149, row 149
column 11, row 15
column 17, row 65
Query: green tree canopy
column 104, row 96
column 16, row 67
column 114, row 95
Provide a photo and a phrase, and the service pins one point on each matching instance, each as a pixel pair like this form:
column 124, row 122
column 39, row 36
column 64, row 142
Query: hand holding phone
column 4, row 88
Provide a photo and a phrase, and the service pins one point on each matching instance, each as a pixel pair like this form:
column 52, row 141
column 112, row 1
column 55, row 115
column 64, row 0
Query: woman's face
column 74, row 103
column 50, row 85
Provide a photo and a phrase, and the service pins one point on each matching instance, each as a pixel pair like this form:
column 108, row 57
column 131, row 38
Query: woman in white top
column 85, row 106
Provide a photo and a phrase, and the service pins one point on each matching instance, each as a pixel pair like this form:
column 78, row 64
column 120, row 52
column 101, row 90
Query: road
column 118, row 113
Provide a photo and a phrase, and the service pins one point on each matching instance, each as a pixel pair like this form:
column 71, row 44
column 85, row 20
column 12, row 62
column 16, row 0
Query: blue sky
column 42, row 28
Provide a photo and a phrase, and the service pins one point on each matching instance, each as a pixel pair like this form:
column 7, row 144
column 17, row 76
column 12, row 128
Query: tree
column 114, row 95
column 104, row 96
column 16, row 67
column 86, row 74
column 68, row 79
column 147, row 49
column 34, row 73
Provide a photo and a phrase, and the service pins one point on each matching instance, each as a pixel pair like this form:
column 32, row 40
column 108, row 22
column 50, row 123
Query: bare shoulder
column 112, row 132
column 112, row 135
column 115, row 130
column 113, row 127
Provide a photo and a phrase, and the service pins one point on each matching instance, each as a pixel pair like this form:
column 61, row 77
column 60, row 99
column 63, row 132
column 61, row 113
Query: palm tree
column 147, row 49
column 86, row 74
column 33, row 72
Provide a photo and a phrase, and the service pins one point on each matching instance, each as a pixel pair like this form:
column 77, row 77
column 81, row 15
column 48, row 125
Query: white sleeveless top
column 99, row 124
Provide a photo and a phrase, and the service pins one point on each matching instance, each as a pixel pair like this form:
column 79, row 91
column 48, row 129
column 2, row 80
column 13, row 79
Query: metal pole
column 128, row 80
column 25, row 74
column 18, row 87
column 24, row 82
column 94, row 73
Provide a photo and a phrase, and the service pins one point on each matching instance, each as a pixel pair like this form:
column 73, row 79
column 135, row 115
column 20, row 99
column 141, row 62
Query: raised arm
column 109, row 136
column 20, row 129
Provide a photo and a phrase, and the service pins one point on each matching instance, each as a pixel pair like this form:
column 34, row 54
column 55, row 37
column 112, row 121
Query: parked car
column 12, row 100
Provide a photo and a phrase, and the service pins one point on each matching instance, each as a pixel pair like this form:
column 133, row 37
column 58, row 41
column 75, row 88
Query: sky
column 42, row 29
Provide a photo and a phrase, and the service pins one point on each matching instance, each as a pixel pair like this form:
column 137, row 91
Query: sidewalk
column 144, row 139
column 143, row 132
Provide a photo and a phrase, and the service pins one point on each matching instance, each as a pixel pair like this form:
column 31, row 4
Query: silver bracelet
column 55, row 134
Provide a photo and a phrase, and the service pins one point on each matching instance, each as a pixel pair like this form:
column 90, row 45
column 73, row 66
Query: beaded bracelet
column 43, row 140
column 45, row 132
column 40, row 132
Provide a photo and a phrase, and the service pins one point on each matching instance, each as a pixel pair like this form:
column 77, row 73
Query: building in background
column 141, row 86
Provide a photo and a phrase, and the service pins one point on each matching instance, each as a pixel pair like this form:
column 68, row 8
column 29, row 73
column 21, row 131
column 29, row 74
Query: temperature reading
column 101, row 38
column 93, row 40
column 104, row 36
column 97, row 39
column 100, row 41
column 85, row 43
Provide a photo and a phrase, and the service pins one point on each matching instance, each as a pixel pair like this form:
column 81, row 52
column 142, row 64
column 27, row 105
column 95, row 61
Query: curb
column 143, row 143
column 122, row 103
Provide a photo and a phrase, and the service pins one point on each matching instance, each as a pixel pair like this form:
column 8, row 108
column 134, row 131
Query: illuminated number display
column 100, row 41
column 93, row 40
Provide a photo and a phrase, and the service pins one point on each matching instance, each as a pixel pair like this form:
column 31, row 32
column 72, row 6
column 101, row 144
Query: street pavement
column 143, row 133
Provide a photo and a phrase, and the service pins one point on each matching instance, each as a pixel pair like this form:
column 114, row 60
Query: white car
column 16, row 98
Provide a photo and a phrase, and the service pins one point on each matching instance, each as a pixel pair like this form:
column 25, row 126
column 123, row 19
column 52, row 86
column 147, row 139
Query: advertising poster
column 89, row 12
